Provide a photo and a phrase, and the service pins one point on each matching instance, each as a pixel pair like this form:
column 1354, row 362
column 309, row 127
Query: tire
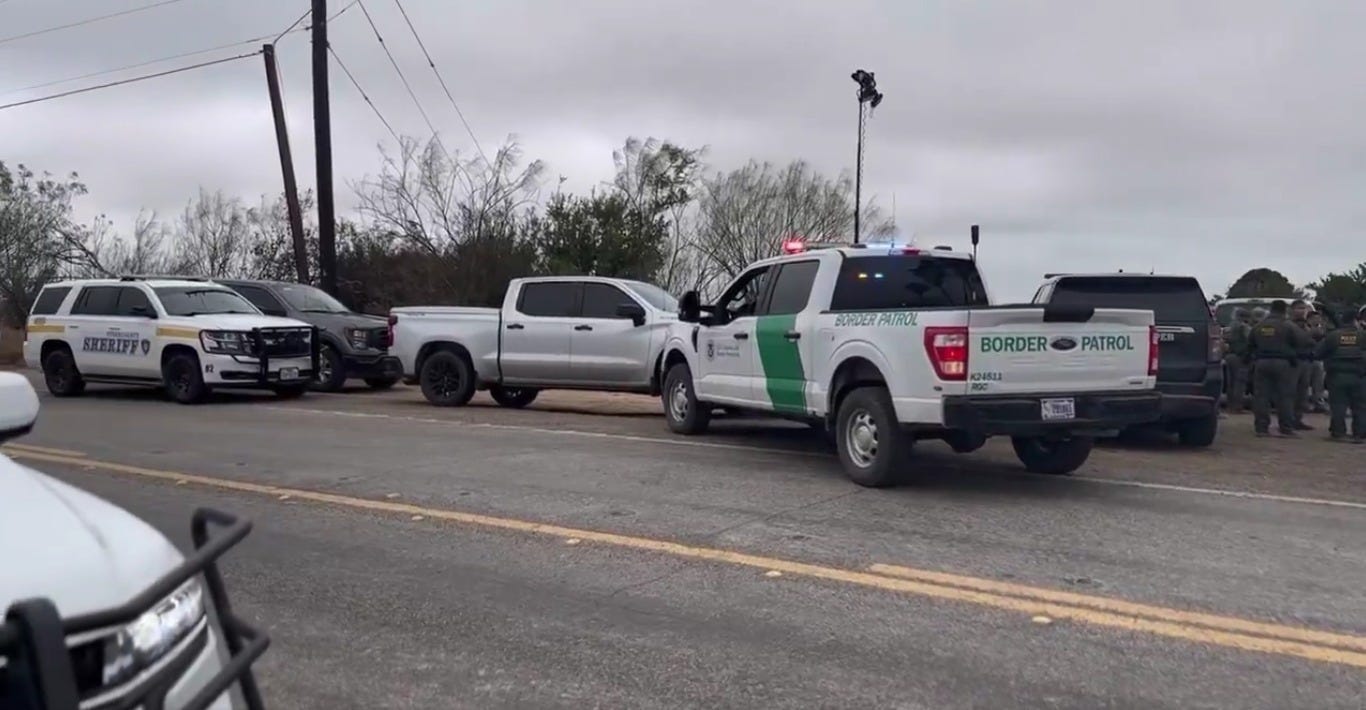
column 447, row 379
column 964, row 442
column 381, row 383
column 1053, row 457
column 61, row 375
column 331, row 376
column 872, row 448
column 183, row 381
column 513, row 397
column 290, row 391
column 1198, row 433
column 683, row 413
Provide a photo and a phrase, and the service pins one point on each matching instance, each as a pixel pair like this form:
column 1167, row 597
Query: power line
column 292, row 25
column 89, row 20
column 130, row 80
column 441, row 79
column 394, row 62
column 363, row 95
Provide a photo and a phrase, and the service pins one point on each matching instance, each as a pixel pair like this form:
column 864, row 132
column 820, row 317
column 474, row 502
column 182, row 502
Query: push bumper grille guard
column 40, row 674
column 262, row 353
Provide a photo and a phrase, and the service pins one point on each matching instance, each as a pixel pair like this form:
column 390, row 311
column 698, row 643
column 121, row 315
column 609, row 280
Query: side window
column 792, row 290
column 601, row 300
column 742, row 298
column 50, row 301
column 96, row 301
column 549, row 300
column 133, row 302
column 260, row 298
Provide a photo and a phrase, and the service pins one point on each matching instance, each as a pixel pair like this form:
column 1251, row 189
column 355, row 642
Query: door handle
column 741, row 336
column 583, row 327
column 515, row 326
column 792, row 335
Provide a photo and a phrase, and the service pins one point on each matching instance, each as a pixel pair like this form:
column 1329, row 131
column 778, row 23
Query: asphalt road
column 410, row 557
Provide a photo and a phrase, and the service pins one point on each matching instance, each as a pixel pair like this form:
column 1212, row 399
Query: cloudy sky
column 1204, row 138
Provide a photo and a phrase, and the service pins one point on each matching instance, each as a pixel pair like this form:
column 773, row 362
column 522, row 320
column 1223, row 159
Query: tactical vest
column 1271, row 340
column 1349, row 353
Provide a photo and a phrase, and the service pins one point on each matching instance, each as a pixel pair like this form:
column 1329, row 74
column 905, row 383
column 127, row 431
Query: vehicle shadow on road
column 153, row 394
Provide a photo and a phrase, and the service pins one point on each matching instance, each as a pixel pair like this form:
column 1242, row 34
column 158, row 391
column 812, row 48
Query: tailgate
column 1013, row 350
column 1184, row 350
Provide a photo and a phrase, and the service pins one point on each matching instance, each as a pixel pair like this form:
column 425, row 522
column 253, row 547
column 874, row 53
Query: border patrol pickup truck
column 98, row 610
column 881, row 345
column 188, row 336
column 557, row 332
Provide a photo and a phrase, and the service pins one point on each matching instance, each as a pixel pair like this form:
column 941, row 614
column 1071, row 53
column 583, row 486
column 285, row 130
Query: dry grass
column 11, row 345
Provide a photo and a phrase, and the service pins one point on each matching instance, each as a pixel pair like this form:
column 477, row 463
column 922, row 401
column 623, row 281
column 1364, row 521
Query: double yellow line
column 1198, row 627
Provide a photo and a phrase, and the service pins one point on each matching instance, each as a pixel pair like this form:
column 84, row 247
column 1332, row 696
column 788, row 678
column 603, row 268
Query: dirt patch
column 11, row 345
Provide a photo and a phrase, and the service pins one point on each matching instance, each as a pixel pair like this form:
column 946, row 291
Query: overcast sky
column 1195, row 137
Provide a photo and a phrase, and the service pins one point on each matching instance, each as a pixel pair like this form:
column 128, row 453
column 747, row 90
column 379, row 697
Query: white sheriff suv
column 188, row 336
column 880, row 345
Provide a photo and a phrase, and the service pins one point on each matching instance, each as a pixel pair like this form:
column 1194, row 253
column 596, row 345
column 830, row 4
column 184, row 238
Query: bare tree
column 213, row 236
column 146, row 251
column 744, row 215
column 659, row 180
column 39, row 240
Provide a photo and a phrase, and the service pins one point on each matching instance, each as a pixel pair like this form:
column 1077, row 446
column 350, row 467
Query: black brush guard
column 258, row 346
column 33, row 637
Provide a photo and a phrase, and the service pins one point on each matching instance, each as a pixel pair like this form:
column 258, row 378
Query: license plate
column 1059, row 408
column 289, row 373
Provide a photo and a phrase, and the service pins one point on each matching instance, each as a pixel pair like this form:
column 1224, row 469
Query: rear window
column 50, row 300
column 869, row 283
column 1170, row 299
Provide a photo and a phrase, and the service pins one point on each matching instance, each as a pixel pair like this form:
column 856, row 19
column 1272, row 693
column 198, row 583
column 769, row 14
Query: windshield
column 654, row 295
column 201, row 300
column 311, row 300
column 1170, row 299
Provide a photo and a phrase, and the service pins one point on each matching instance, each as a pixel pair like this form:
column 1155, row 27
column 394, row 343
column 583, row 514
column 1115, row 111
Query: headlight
column 225, row 342
column 143, row 642
column 359, row 338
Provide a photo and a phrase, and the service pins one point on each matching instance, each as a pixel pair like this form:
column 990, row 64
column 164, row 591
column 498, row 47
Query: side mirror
column 143, row 312
column 21, row 406
column 690, row 307
column 634, row 311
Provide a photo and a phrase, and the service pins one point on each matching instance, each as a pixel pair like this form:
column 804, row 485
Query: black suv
column 354, row 345
column 1190, row 372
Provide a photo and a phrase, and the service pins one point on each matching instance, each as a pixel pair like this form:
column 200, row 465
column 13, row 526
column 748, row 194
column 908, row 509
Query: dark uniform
column 1343, row 352
column 1237, row 338
column 1277, row 345
column 1304, row 373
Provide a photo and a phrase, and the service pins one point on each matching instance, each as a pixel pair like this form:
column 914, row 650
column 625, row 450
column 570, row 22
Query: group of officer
column 1292, row 357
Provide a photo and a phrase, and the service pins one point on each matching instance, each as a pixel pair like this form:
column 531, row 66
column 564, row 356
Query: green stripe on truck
column 781, row 361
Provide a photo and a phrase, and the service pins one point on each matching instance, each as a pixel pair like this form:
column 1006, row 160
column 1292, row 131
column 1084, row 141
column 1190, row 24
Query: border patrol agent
column 1236, row 342
column 1276, row 346
column 1344, row 354
column 1304, row 364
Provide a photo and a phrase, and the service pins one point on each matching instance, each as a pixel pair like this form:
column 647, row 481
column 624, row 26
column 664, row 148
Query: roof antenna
column 974, row 242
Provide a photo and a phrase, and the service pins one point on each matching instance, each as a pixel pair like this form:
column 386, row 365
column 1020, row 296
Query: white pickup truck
column 881, row 345
column 578, row 332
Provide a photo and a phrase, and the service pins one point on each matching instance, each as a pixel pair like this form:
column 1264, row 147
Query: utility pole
column 868, row 98
column 296, row 218
column 322, row 135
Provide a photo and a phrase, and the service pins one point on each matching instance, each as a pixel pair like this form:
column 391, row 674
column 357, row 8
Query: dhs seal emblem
column 146, row 346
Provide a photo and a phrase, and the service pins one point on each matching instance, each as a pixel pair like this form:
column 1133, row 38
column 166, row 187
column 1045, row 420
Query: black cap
column 1278, row 306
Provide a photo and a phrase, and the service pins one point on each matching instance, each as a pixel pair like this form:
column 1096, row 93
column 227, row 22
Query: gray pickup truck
column 354, row 345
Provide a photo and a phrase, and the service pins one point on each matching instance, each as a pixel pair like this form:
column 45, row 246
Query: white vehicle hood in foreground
column 64, row 544
column 232, row 321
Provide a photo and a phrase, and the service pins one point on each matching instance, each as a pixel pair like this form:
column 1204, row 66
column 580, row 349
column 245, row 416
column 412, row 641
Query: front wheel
column 331, row 375
column 447, row 379
column 182, row 379
column 683, row 413
column 872, row 448
column 1056, row 457
column 513, row 397
column 61, row 375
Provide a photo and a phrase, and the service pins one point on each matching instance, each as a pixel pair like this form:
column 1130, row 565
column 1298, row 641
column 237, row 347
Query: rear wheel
column 1057, row 457
column 447, row 379
column 1198, row 433
column 182, row 379
column 872, row 448
column 61, row 375
column 331, row 370
column 513, row 397
column 683, row 413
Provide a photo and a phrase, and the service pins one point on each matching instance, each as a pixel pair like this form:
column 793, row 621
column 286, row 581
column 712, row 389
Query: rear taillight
column 1216, row 342
column 1152, row 350
column 389, row 336
column 948, row 351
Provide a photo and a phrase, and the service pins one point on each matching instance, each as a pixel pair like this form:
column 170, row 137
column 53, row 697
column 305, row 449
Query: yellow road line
column 1169, row 625
column 1120, row 606
column 40, row 450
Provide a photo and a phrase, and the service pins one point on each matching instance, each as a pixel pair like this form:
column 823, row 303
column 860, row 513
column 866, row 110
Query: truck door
column 784, row 348
column 88, row 329
column 726, row 349
column 608, row 349
column 535, row 345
